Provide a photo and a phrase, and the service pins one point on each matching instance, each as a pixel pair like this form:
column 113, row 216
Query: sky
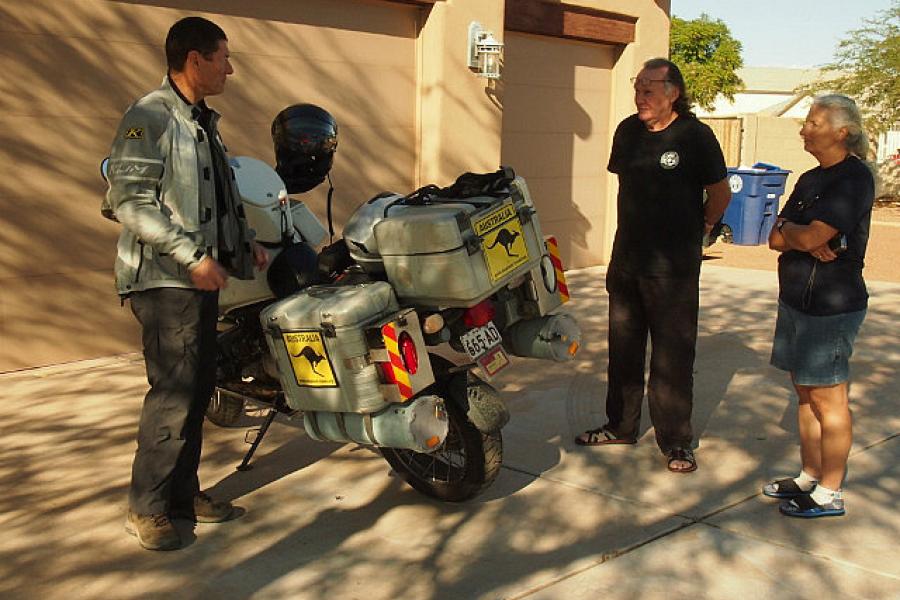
column 785, row 33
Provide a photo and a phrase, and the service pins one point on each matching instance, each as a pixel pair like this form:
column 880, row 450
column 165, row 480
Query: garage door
column 556, row 134
column 71, row 68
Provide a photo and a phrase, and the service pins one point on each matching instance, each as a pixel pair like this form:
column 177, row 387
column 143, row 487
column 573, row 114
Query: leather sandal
column 681, row 455
column 601, row 437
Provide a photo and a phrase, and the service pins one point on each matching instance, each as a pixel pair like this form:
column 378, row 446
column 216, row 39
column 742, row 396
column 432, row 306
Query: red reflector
column 387, row 372
column 479, row 314
column 409, row 353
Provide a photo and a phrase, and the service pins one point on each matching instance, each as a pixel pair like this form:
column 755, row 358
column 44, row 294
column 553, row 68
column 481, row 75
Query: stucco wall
column 556, row 133
column 392, row 73
column 776, row 141
column 651, row 40
column 70, row 71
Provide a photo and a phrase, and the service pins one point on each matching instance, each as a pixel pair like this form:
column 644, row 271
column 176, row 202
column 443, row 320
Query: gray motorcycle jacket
column 162, row 190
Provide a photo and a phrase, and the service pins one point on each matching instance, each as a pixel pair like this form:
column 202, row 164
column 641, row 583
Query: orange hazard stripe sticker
column 389, row 334
column 553, row 249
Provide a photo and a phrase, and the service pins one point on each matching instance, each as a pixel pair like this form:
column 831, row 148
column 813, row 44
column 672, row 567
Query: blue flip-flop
column 807, row 508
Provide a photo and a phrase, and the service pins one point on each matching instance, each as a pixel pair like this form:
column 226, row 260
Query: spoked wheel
column 465, row 465
column 224, row 409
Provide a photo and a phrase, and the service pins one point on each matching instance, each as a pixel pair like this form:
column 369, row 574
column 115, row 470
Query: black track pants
column 666, row 309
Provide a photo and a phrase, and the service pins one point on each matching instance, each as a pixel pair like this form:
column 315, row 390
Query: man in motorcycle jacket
column 184, row 233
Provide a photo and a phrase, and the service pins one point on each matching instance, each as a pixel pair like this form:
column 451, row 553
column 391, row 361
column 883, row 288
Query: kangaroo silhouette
column 312, row 356
column 505, row 238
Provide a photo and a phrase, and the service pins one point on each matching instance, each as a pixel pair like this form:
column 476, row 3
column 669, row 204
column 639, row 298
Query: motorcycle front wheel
column 224, row 410
column 464, row 466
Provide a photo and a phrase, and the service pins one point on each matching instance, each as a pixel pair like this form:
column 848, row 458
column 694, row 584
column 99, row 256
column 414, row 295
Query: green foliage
column 867, row 68
column 708, row 56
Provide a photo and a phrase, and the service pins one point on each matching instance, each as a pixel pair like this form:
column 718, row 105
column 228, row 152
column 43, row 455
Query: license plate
column 493, row 361
column 481, row 339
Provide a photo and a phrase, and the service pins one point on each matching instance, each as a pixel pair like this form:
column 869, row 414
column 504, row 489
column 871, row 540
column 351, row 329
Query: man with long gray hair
column 665, row 159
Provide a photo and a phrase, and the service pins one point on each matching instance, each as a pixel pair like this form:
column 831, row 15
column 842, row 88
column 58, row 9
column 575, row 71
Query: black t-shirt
column 840, row 196
column 661, row 179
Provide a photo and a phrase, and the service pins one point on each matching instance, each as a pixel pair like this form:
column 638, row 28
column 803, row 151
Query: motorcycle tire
column 465, row 465
column 224, row 410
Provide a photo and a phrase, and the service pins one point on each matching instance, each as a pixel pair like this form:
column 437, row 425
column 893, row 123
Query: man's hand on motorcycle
column 260, row 256
column 209, row 275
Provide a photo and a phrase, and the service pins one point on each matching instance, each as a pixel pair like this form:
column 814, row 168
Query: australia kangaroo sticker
column 502, row 241
column 309, row 359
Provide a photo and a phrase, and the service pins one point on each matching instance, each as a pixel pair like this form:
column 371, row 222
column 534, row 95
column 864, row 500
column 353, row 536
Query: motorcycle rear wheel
column 466, row 464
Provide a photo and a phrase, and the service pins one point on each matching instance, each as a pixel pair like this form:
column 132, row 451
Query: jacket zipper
column 137, row 274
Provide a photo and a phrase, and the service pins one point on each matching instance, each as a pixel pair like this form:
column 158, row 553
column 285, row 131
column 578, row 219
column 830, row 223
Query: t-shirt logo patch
column 669, row 160
column 134, row 133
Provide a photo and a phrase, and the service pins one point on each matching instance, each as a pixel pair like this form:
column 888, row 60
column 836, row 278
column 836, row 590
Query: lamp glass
column 488, row 53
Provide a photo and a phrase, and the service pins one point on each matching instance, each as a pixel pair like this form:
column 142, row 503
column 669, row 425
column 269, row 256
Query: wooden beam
column 569, row 21
column 416, row 2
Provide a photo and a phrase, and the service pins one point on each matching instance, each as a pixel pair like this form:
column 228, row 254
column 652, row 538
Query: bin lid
column 759, row 169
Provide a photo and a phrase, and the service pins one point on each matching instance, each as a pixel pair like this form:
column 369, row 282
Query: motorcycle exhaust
column 554, row 337
column 421, row 425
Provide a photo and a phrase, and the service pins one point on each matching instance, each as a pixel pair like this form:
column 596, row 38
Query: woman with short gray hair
column 822, row 233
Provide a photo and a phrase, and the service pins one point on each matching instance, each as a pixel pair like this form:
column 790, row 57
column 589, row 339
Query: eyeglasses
column 646, row 81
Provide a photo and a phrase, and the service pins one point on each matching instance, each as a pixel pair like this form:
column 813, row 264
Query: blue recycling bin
column 755, row 193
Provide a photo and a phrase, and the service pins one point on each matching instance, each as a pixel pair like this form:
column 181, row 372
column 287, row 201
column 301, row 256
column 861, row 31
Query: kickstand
column 260, row 433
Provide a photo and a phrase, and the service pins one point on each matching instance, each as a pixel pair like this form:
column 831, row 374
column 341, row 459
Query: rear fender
column 481, row 401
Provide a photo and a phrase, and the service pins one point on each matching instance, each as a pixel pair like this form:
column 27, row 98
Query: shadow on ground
column 328, row 521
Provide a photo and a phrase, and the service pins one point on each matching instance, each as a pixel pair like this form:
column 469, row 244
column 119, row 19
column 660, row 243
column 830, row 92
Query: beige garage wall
column 71, row 68
column 776, row 140
column 556, row 134
column 394, row 75
column 749, row 139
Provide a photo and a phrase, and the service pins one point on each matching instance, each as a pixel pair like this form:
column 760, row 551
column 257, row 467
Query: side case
column 318, row 339
column 456, row 254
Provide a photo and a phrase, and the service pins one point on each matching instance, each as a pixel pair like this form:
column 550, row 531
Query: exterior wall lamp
column 484, row 52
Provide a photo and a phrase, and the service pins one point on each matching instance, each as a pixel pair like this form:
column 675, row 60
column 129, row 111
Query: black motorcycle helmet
column 305, row 138
column 295, row 268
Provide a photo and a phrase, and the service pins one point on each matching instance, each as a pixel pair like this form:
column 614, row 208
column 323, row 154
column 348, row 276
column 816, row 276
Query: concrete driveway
column 330, row 521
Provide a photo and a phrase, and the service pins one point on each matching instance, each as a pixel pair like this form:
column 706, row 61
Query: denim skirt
column 816, row 350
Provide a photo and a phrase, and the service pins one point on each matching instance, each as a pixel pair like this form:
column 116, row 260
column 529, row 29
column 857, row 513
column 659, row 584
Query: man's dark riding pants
column 179, row 337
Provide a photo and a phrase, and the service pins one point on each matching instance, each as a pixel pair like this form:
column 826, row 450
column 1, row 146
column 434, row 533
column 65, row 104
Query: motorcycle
column 391, row 336
column 357, row 350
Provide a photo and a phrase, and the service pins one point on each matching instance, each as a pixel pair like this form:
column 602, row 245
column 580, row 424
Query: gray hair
column 843, row 112
column 674, row 81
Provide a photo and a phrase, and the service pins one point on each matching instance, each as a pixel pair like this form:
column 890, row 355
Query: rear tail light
column 479, row 315
column 408, row 353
